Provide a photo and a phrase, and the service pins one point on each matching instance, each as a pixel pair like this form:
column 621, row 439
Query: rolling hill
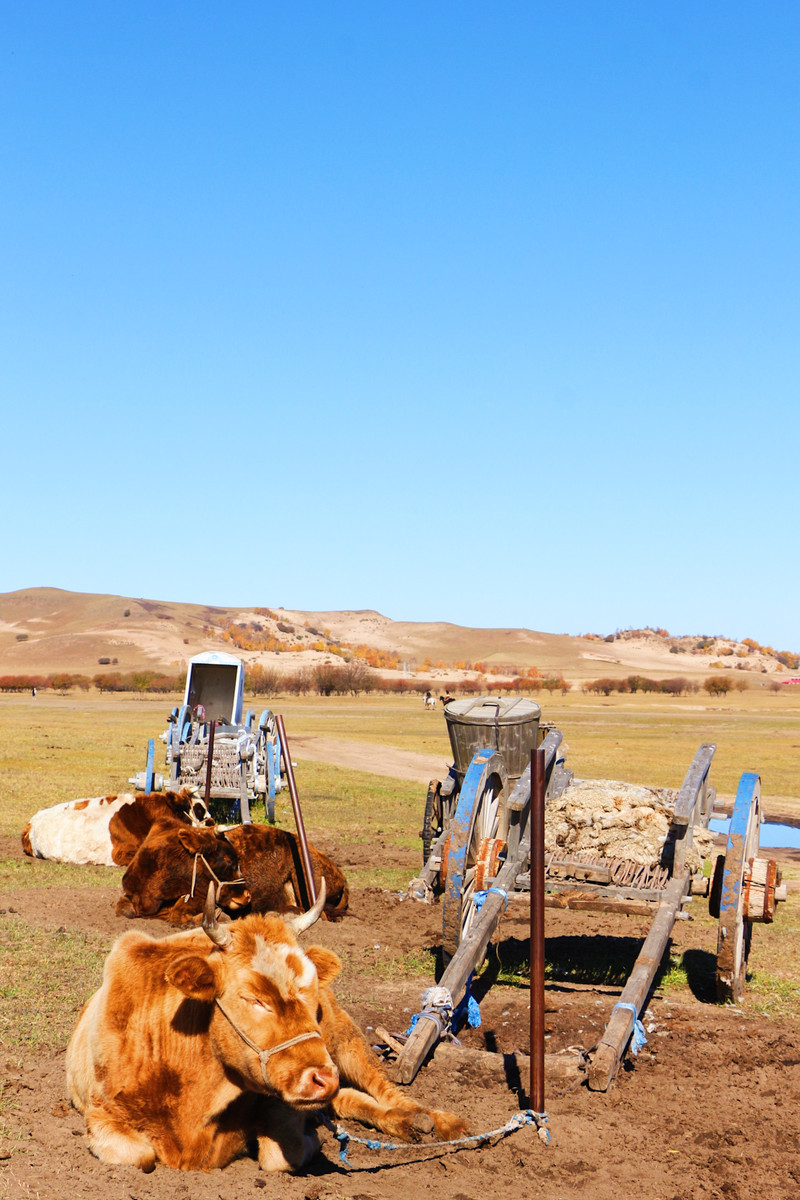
column 44, row 630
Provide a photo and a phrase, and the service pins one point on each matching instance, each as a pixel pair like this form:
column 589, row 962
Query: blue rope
column 432, row 1015
column 479, row 898
column 437, row 1005
column 467, row 1008
column 638, row 1038
column 524, row 1117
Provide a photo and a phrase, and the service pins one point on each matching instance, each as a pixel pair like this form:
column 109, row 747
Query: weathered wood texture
column 694, row 787
column 608, row 1055
column 472, row 950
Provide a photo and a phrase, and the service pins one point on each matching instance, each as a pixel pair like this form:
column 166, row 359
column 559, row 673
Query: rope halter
column 221, row 883
column 265, row 1055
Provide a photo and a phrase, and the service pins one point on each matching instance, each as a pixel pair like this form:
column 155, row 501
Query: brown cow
column 130, row 825
column 259, row 866
column 201, row 1043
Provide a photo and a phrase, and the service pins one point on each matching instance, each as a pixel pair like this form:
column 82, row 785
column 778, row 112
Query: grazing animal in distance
column 258, row 866
column 202, row 1044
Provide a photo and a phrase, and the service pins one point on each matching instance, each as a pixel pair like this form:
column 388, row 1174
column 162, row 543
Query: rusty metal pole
column 538, row 786
column 209, row 761
column 298, row 816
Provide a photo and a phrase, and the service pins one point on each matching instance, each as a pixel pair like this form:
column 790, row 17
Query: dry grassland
column 56, row 748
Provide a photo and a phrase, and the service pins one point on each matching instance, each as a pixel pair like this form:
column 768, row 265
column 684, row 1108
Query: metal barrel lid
column 493, row 710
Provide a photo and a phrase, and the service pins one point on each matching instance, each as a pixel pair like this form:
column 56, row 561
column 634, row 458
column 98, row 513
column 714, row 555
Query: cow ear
column 192, row 975
column 189, row 840
column 327, row 964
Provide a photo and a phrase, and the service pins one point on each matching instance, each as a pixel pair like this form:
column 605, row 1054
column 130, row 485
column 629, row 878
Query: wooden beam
column 611, row 1047
column 566, row 868
column 692, row 784
column 581, row 902
column 469, row 955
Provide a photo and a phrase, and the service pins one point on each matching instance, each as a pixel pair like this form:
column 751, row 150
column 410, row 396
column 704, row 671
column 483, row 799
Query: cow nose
column 319, row 1083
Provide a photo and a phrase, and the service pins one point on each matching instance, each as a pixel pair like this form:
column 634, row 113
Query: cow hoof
column 421, row 1122
column 449, row 1126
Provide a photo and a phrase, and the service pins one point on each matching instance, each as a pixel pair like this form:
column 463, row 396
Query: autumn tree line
column 325, row 679
column 354, row 678
column 715, row 685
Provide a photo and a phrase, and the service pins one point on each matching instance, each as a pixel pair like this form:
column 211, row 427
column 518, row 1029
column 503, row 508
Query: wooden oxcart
column 478, row 859
column 210, row 746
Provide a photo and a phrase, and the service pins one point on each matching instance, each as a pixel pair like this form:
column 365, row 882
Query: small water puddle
column 773, row 835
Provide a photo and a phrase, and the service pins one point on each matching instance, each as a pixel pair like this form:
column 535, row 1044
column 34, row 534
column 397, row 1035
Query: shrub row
column 139, row 681
column 716, row 685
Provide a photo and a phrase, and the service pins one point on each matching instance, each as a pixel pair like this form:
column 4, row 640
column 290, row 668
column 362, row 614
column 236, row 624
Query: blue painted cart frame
column 245, row 765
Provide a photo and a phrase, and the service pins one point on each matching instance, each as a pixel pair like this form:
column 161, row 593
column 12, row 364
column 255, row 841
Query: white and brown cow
column 83, row 831
column 203, row 1044
column 75, row 831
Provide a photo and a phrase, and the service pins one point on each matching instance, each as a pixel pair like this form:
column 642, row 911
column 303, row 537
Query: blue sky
column 465, row 312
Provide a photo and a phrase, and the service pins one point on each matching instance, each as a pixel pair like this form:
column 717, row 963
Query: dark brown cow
column 130, row 826
column 259, row 867
column 196, row 1047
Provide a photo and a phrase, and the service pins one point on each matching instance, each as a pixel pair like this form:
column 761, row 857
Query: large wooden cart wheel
column 475, row 845
column 730, row 888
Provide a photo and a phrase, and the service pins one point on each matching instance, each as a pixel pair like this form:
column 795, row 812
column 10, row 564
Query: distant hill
column 44, row 630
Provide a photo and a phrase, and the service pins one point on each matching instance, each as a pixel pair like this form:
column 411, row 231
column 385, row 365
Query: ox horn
column 219, row 935
column 307, row 919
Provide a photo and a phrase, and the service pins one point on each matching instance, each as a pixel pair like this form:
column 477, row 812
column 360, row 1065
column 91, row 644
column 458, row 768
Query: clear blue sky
column 485, row 313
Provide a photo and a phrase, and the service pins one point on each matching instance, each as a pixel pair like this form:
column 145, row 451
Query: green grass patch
column 39, row 873
column 589, row 960
column 389, row 879
column 45, row 978
column 378, row 962
column 355, row 805
column 674, row 976
column 773, row 995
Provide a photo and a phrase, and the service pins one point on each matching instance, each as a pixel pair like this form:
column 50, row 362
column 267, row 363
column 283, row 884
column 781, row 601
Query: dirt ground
column 367, row 756
column 709, row 1108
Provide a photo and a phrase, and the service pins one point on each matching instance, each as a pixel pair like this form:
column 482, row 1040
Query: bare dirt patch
column 366, row 756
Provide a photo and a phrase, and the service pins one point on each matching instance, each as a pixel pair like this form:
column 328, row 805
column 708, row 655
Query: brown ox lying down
column 201, row 1044
column 257, row 868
